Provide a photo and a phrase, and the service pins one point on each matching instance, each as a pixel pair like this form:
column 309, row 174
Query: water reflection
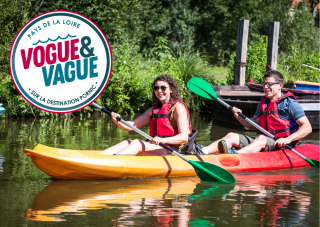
column 27, row 195
column 1, row 161
column 269, row 198
column 134, row 195
column 272, row 194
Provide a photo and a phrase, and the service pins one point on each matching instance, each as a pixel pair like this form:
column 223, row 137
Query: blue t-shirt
column 289, row 109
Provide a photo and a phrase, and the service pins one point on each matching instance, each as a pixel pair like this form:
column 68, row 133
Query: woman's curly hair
column 175, row 95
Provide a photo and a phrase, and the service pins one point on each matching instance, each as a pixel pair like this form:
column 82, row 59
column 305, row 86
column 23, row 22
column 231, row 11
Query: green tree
column 216, row 28
column 120, row 20
column 188, row 27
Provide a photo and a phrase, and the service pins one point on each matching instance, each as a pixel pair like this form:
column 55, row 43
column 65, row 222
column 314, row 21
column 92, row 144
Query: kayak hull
column 82, row 164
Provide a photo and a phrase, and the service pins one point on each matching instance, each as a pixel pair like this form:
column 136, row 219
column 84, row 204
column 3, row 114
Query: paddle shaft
column 205, row 171
column 258, row 127
column 141, row 132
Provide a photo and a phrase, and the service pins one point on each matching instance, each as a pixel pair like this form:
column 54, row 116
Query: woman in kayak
column 169, row 121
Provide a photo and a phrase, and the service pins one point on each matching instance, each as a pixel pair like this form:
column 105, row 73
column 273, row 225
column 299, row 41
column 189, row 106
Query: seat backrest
column 189, row 146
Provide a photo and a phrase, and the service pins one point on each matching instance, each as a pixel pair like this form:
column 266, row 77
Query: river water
column 29, row 197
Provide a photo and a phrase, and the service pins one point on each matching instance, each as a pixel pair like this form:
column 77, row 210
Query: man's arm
column 304, row 130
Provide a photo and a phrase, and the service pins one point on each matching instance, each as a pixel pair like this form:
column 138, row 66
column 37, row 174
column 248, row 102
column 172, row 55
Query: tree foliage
column 188, row 27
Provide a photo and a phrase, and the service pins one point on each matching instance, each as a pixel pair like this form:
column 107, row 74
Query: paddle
column 204, row 89
column 205, row 171
column 207, row 191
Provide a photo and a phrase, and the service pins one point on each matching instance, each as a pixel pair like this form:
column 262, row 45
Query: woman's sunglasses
column 156, row 88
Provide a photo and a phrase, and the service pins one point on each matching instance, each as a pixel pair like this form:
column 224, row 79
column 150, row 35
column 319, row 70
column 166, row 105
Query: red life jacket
column 270, row 120
column 160, row 120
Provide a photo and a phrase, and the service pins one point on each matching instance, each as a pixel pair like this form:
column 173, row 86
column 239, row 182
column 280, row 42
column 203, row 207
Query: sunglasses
column 269, row 84
column 156, row 88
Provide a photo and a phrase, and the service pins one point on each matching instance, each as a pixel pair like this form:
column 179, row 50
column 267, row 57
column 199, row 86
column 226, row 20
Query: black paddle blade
column 202, row 88
column 212, row 173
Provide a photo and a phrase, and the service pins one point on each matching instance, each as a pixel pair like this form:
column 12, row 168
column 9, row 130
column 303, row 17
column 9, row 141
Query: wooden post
column 272, row 50
column 241, row 55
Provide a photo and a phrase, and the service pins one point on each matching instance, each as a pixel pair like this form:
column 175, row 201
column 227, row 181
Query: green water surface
column 29, row 197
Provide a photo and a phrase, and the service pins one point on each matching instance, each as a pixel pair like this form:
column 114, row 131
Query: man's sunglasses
column 156, row 88
column 269, row 84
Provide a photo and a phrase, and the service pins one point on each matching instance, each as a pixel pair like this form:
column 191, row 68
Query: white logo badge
column 60, row 61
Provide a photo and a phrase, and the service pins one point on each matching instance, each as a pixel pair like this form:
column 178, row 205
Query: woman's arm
column 139, row 122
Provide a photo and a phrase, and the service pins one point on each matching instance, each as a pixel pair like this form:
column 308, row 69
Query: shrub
column 256, row 60
column 297, row 57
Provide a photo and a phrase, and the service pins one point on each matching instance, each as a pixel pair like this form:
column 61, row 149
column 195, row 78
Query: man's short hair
column 275, row 74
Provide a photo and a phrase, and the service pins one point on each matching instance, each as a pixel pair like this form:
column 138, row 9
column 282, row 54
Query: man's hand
column 283, row 141
column 236, row 112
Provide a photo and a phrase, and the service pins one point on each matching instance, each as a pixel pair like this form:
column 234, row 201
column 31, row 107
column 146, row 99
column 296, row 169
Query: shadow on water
column 28, row 196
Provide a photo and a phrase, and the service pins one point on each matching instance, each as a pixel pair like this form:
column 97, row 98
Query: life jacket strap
column 269, row 112
column 273, row 132
column 160, row 116
column 173, row 107
column 165, row 136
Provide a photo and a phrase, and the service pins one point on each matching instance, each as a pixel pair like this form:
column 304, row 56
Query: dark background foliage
column 208, row 27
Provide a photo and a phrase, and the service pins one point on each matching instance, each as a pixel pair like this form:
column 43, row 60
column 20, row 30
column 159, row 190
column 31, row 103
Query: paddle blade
column 312, row 162
column 207, row 191
column 202, row 88
column 212, row 173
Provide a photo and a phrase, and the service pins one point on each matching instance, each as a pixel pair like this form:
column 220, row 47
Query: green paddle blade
column 202, row 88
column 207, row 191
column 212, row 173
column 312, row 162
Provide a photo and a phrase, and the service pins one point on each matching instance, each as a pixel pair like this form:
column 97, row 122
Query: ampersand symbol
column 85, row 42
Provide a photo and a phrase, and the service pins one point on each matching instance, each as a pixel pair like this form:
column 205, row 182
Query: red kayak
column 281, row 159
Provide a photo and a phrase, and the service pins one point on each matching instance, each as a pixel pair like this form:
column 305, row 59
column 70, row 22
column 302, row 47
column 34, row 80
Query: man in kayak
column 168, row 120
column 278, row 113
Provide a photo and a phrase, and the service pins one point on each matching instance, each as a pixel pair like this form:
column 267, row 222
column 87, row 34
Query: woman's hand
column 156, row 140
column 114, row 117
